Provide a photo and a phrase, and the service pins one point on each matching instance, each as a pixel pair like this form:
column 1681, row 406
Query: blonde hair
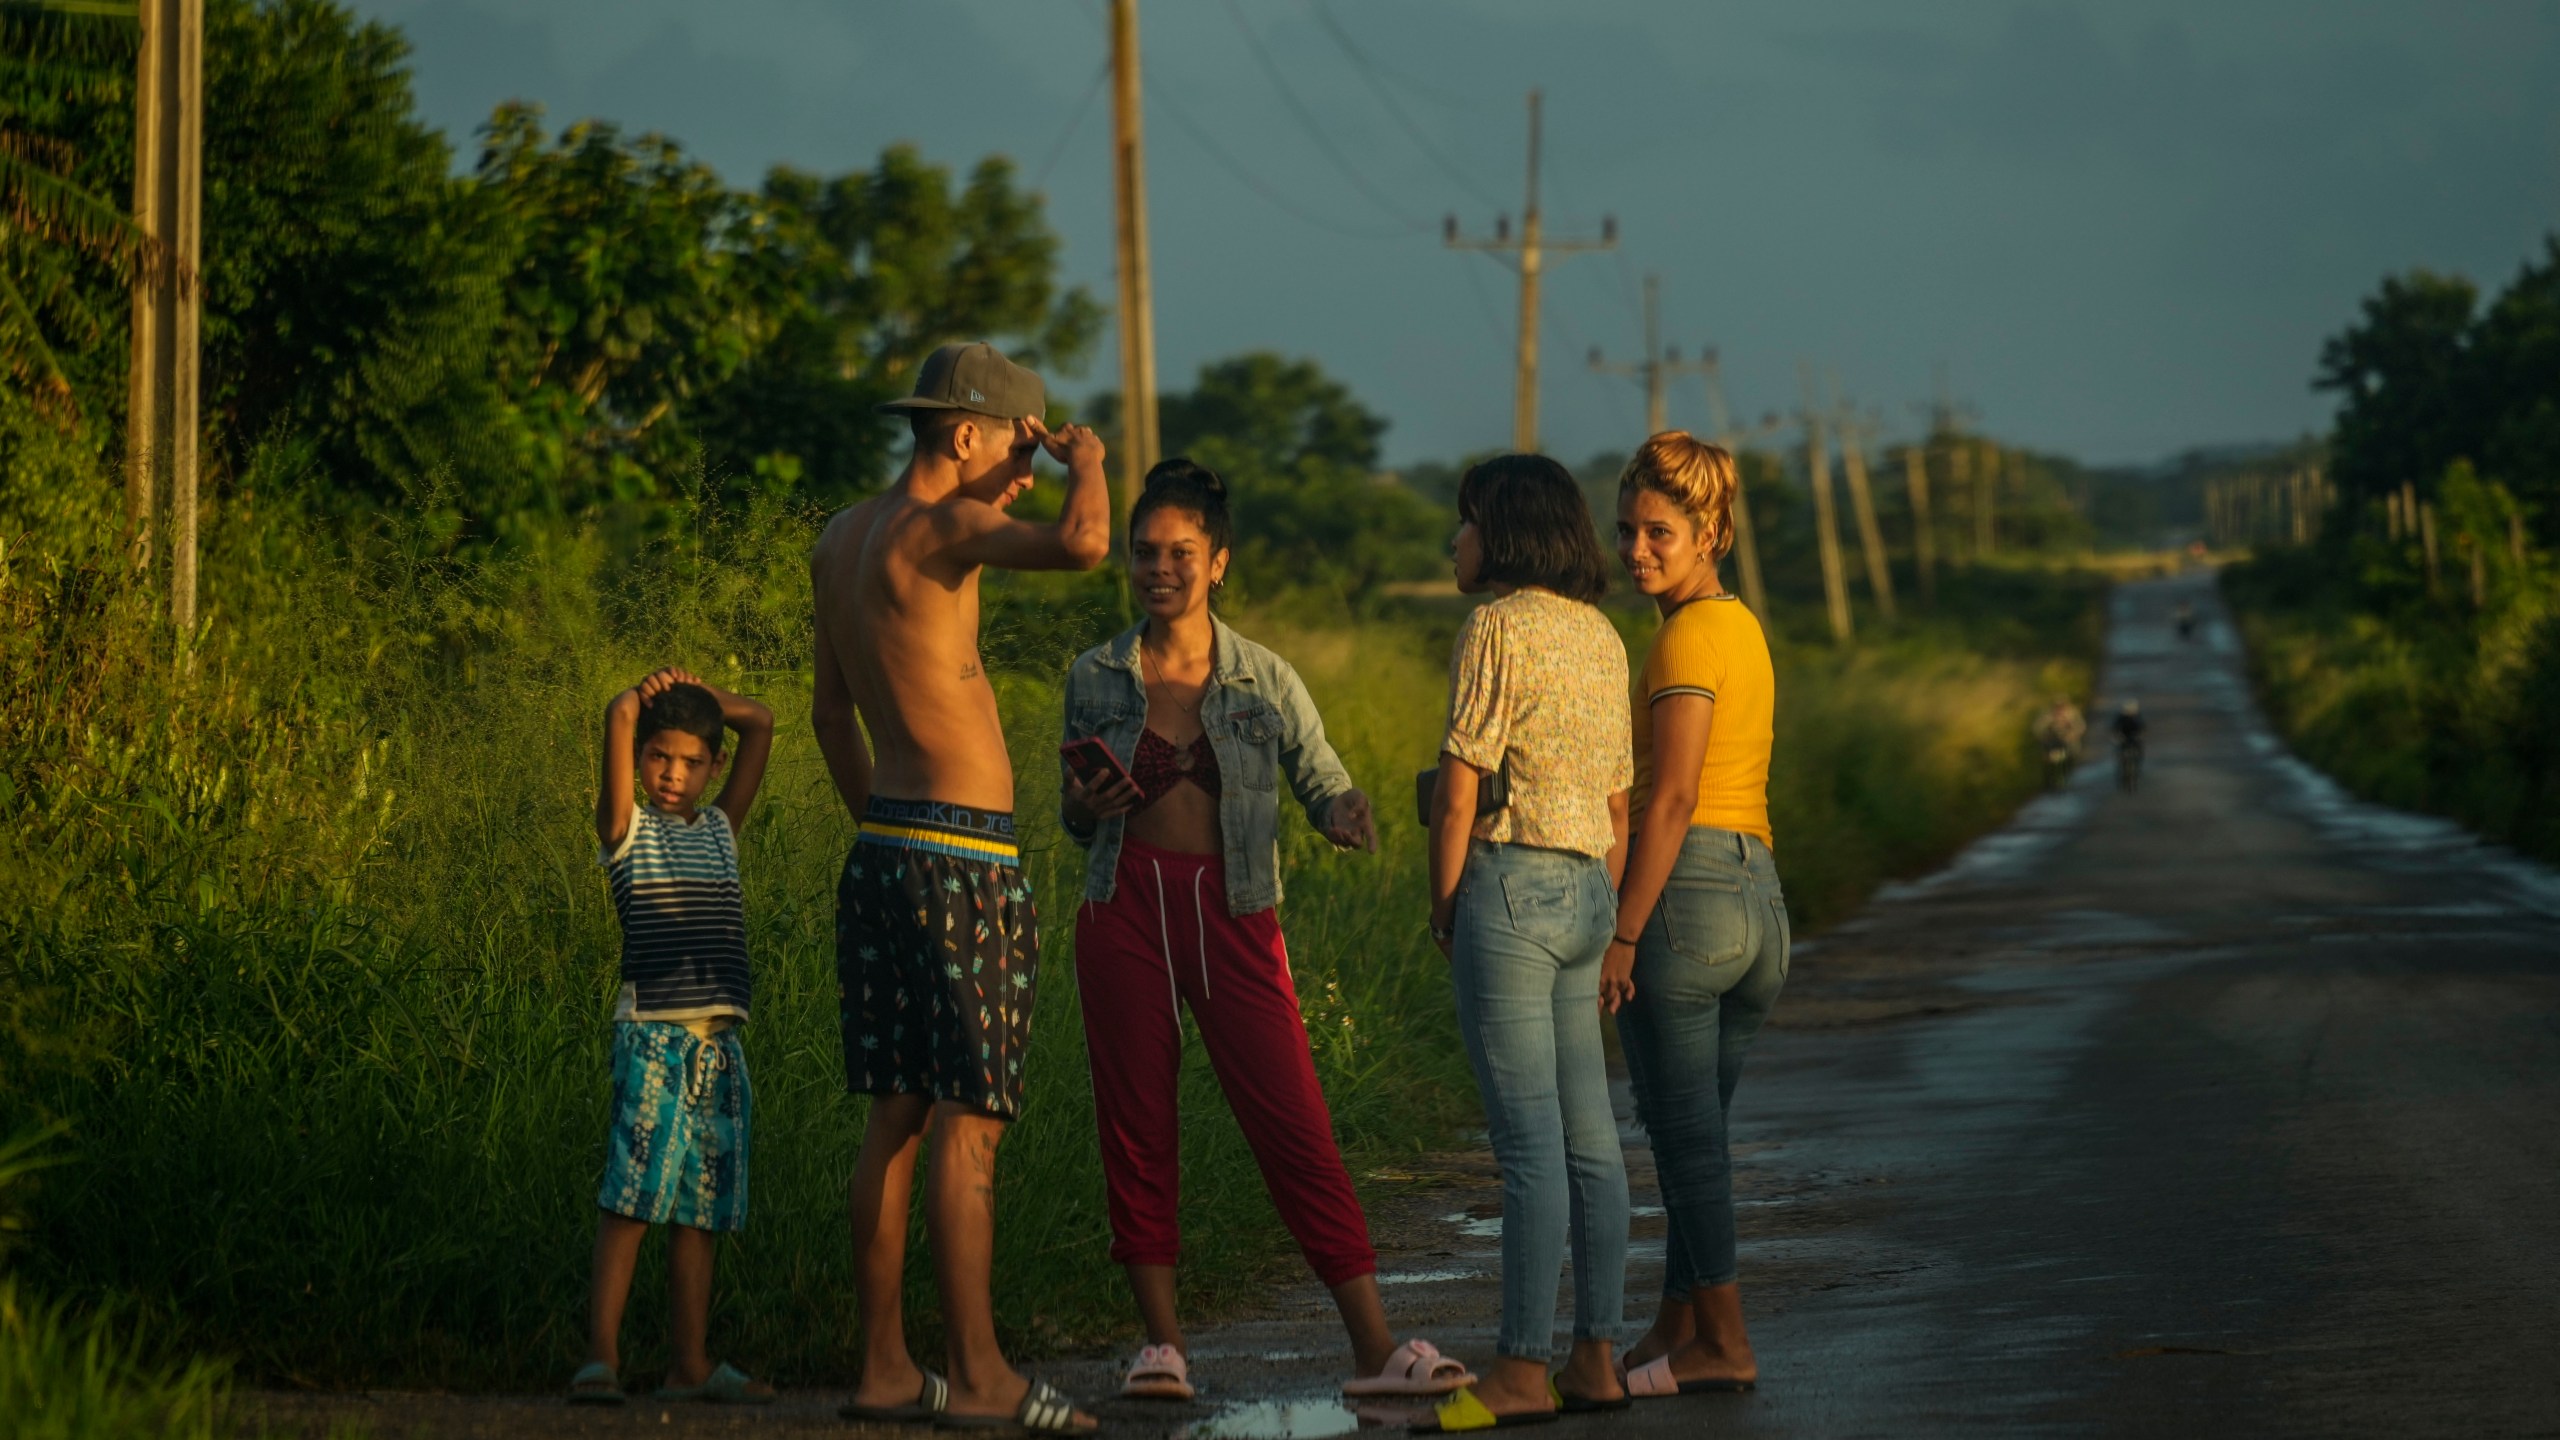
column 1698, row 477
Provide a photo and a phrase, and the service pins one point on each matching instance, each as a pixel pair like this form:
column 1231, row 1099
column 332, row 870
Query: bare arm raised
column 975, row 533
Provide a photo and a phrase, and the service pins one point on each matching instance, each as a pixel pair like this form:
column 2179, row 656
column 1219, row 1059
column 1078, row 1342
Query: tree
column 1297, row 451
column 2401, row 369
column 62, row 235
column 2515, row 384
column 882, row 266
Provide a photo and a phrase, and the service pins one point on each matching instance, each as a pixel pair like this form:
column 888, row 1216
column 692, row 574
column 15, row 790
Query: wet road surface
column 2229, row 1106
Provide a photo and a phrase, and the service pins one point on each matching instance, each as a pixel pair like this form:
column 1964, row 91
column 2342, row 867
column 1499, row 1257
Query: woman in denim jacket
column 1180, row 894
column 1521, row 902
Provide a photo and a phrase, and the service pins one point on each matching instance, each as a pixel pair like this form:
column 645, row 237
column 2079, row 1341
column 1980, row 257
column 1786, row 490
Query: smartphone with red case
column 1093, row 763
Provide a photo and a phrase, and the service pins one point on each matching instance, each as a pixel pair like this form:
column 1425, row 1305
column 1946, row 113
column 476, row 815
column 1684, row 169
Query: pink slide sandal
column 1416, row 1368
column 1159, row 1373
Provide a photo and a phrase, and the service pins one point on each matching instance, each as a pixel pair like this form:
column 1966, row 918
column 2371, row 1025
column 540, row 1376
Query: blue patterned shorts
column 682, row 1108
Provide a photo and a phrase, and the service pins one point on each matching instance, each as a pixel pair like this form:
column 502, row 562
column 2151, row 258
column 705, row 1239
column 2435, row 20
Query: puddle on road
column 1275, row 1420
column 1429, row 1277
column 1475, row 1227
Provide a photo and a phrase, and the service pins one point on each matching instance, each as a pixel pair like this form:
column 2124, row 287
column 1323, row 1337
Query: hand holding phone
column 1098, row 786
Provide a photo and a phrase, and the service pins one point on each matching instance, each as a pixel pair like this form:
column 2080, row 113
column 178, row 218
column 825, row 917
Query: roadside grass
column 310, row 948
column 2428, row 705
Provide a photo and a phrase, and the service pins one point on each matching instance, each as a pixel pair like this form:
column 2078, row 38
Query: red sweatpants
column 1166, row 933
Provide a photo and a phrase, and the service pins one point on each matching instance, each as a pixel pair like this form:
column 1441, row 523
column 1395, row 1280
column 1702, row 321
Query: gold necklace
column 1192, row 709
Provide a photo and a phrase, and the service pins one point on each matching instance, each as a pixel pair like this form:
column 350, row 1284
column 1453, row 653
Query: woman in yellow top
column 1700, row 948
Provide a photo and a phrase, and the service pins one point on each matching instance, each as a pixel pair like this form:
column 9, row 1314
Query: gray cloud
column 2124, row 227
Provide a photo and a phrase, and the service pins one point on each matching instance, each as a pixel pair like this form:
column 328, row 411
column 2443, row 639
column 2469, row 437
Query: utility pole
column 1853, row 457
column 1138, row 438
column 1924, row 536
column 168, row 168
column 1533, row 247
column 1985, row 500
column 1746, row 545
column 1817, row 459
column 1658, row 365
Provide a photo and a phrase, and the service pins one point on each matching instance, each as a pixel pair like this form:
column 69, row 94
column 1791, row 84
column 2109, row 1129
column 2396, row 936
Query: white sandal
column 1416, row 1368
column 1159, row 1373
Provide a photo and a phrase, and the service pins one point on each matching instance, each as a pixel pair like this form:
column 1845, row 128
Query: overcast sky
column 2122, row 228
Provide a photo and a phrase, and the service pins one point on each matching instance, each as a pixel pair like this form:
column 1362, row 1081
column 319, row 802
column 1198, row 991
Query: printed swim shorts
column 682, row 1109
column 937, row 952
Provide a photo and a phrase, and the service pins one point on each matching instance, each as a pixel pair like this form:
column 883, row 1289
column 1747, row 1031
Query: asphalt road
column 2230, row 1106
column 2227, row 1107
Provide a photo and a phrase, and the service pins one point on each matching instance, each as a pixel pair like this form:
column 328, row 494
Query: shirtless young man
column 937, row 943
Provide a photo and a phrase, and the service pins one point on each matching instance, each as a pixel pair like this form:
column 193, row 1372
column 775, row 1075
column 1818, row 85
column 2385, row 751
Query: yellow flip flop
column 1462, row 1411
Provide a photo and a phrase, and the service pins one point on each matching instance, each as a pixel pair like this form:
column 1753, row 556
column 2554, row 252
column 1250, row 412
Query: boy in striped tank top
column 677, row 1151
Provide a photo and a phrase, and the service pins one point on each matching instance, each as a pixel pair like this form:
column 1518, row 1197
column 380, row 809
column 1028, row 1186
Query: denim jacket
column 1260, row 723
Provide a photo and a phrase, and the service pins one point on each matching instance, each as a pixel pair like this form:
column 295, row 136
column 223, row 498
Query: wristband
column 1623, row 940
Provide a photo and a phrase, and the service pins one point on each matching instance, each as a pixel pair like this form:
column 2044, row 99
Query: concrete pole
column 1524, row 400
column 1835, row 586
column 2427, row 543
column 1985, row 500
column 1853, row 457
column 1139, row 437
column 162, row 425
column 1924, row 535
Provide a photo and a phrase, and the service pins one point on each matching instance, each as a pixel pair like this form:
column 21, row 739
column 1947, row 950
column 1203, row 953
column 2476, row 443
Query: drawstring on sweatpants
column 1199, row 927
column 1164, row 934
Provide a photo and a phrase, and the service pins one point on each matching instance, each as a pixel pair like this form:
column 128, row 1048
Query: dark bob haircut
column 1533, row 527
column 688, row 708
column 1188, row 486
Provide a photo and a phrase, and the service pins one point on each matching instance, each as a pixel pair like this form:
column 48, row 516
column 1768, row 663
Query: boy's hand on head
column 659, row 682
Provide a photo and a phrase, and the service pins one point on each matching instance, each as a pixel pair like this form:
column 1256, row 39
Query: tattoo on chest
column 969, row 671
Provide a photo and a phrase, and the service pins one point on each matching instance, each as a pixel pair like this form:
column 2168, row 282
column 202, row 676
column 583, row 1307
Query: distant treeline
column 582, row 325
column 2412, row 647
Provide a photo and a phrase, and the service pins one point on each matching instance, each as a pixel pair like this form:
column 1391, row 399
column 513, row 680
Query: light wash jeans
column 1531, row 927
column 1708, row 969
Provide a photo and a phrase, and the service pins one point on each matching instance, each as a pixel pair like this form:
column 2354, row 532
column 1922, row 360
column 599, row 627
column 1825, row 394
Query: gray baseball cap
column 976, row 378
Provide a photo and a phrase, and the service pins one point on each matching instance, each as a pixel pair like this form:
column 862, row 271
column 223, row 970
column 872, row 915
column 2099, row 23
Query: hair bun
column 1184, row 473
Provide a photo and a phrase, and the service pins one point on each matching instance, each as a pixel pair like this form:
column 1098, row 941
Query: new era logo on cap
column 977, row 378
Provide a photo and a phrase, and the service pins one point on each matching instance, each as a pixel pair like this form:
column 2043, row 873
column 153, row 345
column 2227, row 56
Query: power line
column 1307, row 121
column 1423, row 88
column 1236, row 170
column 1084, row 107
column 1377, row 86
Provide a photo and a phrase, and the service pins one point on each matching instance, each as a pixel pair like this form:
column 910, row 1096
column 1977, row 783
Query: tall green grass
column 2423, row 703
column 308, row 944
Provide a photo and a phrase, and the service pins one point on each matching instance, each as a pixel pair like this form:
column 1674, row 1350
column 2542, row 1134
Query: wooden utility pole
column 1746, row 545
column 1862, row 505
column 1985, row 501
column 1138, row 439
column 1826, row 526
column 1533, row 248
column 168, row 168
column 2427, row 542
column 1658, row 365
column 1924, row 536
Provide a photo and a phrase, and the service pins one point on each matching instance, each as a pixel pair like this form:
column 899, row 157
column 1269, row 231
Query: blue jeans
column 1709, row 966
column 1531, row 927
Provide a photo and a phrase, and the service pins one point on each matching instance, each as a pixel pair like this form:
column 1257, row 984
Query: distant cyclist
column 2059, row 730
column 2186, row 620
column 2129, row 726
